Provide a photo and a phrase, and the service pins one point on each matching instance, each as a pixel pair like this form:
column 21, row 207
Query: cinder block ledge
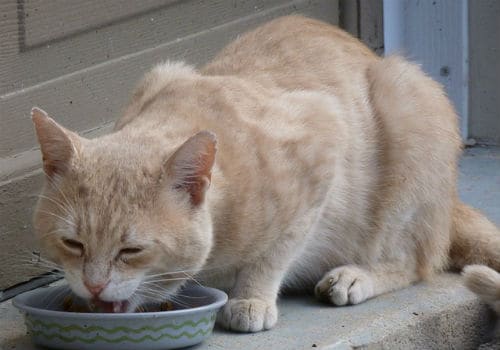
column 440, row 314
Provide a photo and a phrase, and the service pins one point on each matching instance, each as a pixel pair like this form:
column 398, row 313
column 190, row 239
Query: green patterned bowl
column 52, row 328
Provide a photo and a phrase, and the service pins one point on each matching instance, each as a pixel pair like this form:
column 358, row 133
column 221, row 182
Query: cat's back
column 295, row 52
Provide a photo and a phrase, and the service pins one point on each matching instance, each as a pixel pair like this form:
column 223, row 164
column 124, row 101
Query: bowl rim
column 20, row 300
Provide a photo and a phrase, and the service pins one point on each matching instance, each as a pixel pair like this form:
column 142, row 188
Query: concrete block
column 440, row 314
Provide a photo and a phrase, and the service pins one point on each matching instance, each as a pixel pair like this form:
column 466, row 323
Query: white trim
column 393, row 26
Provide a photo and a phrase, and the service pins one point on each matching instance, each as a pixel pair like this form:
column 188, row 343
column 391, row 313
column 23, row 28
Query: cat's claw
column 248, row 315
column 345, row 285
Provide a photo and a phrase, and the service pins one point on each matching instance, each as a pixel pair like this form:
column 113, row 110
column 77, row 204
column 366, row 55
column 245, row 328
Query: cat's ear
column 56, row 144
column 189, row 169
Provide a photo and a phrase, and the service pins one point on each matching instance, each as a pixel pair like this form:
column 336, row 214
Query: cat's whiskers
column 188, row 270
column 151, row 295
column 35, row 261
column 155, row 288
column 190, row 296
column 57, row 274
column 61, row 296
column 165, row 274
column 178, row 301
column 68, row 209
column 192, row 279
column 134, row 300
column 161, row 296
column 41, row 259
column 55, row 187
column 69, row 222
column 41, row 266
column 157, row 293
column 46, row 269
column 160, row 293
column 42, row 271
column 53, row 232
column 165, row 280
column 56, row 296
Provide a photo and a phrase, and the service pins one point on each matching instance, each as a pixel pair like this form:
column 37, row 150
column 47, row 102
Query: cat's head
column 112, row 213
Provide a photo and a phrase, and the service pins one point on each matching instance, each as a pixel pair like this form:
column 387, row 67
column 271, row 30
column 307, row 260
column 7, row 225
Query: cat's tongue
column 111, row 307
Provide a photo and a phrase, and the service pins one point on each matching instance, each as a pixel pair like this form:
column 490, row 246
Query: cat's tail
column 485, row 282
column 474, row 239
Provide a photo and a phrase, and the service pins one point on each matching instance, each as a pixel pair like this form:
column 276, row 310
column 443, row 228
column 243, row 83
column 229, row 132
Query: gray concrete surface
column 440, row 314
column 436, row 315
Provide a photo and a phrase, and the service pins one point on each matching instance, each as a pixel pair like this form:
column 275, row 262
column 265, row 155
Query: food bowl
column 189, row 323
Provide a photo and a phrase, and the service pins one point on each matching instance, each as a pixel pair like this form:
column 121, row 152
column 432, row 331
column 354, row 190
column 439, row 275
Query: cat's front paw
column 345, row 285
column 248, row 315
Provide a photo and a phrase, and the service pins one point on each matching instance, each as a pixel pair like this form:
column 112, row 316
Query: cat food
column 70, row 306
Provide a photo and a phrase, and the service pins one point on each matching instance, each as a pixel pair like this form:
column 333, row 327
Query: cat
column 296, row 160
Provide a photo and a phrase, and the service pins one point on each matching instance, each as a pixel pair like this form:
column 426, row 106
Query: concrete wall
column 364, row 19
column 433, row 34
column 79, row 60
column 484, row 83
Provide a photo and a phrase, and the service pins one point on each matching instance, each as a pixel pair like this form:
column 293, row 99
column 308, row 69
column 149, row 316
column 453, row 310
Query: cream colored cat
column 297, row 159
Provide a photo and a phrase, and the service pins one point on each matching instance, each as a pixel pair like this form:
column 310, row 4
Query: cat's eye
column 130, row 251
column 73, row 245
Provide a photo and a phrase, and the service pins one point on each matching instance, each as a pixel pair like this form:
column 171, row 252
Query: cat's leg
column 252, row 304
column 353, row 284
column 252, row 299
column 411, row 248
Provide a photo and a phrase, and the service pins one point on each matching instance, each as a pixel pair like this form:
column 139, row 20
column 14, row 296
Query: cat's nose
column 95, row 289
